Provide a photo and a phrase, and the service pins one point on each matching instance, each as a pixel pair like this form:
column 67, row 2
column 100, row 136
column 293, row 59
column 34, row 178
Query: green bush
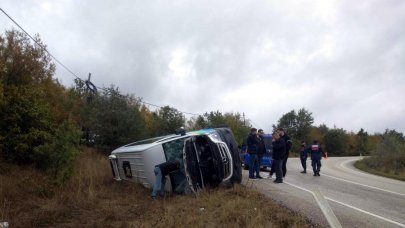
column 34, row 121
column 57, row 156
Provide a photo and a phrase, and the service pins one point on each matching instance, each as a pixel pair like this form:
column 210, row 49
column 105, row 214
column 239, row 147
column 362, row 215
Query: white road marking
column 343, row 165
column 326, row 210
column 350, row 206
column 364, row 185
column 366, row 212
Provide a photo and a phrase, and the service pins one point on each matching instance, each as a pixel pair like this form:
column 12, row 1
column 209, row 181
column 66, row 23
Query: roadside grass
column 387, row 167
column 92, row 199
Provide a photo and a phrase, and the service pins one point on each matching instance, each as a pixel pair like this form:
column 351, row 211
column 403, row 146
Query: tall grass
column 91, row 198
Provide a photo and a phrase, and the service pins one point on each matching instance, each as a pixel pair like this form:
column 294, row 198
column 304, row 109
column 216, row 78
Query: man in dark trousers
column 161, row 171
column 288, row 144
column 316, row 156
column 304, row 156
column 279, row 152
column 252, row 144
column 261, row 150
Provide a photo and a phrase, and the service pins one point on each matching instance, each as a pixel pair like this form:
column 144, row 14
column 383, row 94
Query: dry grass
column 92, row 199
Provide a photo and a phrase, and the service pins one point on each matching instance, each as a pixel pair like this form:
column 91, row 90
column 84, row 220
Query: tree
column 362, row 142
column 323, row 129
column 170, row 119
column 216, row 119
column 336, row 142
column 238, row 126
column 119, row 120
column 151, row 122
column 297, row 125
column 197, row 123
column 393, row 133
column 35, row 114
column 318, row 133
column 304, row 121
column 288, row 123
column 109, row 119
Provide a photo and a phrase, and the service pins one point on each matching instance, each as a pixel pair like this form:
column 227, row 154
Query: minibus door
column 191, row 165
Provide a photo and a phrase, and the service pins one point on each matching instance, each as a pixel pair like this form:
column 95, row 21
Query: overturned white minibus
column 208, row 157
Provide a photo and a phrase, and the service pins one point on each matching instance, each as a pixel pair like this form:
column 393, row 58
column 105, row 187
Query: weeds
column 91, row 198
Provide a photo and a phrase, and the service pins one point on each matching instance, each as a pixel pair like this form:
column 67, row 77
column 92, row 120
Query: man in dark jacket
column 161, row 171
column 252, row 144
column 304, row 156
column 279, row 152
column 261, row 150
column 288, row 144
column 316, row 156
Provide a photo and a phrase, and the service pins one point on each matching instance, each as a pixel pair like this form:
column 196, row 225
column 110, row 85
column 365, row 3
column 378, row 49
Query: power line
column 147, row 103
column 88, row 83
column 39, row 44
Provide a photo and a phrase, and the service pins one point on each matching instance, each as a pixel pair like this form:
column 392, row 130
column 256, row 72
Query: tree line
column 44, row 123
column 336, row 141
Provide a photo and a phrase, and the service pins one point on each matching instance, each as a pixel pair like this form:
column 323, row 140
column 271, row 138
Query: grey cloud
column 341, row 60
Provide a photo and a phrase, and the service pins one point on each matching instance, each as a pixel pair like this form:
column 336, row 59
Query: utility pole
column 244, row 121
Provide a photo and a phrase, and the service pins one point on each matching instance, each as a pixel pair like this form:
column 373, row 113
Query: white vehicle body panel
column 136, row 161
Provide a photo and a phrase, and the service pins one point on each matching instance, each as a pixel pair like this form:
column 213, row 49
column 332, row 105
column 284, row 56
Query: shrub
column 388, row 159
column 34, row 121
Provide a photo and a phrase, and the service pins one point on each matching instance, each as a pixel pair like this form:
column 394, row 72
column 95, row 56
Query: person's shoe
column 278, row 181
column 304, row 171
column 315, row 174
column 259, row 177
column 153, row 198
column 252, row 177
column 318, row 174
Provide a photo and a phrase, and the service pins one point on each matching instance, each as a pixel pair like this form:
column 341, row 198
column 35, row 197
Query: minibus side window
column 127, row 169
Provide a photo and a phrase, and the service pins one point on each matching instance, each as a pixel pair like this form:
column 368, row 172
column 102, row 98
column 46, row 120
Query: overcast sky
column 342, row 60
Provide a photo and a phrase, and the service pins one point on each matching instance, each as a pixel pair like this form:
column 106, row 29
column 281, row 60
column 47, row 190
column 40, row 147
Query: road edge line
column 350, row 206
column 323, row 205
column 366, row 212
column 364, row 185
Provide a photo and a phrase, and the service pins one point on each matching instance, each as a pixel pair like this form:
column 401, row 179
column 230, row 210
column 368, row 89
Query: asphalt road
column 358, row 199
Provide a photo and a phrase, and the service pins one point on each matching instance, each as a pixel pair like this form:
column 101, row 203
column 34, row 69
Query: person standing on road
column 279, row 153
column 316, row 156
column 252, row 144
column 288, row 144
column 261, row 150
column 161, row 171
column 304, row 156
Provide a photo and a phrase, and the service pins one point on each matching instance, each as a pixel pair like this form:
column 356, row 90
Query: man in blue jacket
column 252, row 144
column 316, row 156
